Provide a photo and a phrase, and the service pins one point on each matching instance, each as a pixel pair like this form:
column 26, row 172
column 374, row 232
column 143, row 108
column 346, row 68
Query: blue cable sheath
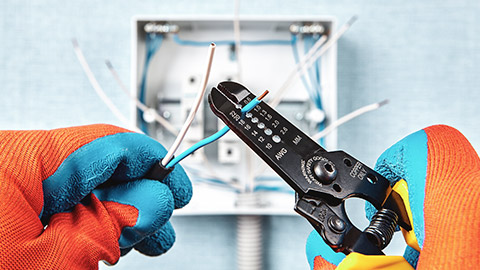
column 210, row 139
column 184, row 42
column 152, row 43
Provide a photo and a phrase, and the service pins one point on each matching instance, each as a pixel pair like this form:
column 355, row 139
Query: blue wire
column 277, row 189
column 152, row 43
column 314, row 91
column 184, row 42
column 297, row 60
column 210, row 139
column 268, row 178
column 309, row 40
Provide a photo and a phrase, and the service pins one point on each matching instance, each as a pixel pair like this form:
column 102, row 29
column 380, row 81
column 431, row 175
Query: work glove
column 442, row 171
column 74, row 196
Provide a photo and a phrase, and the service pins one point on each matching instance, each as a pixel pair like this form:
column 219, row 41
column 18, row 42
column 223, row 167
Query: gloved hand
column 85, row 184
column 442, row 171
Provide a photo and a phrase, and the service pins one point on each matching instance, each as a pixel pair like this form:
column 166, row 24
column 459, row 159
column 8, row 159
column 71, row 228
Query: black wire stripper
column 322, row 180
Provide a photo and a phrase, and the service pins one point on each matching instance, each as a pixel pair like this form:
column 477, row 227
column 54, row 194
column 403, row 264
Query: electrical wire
column 298, row 70
column 267, row 42
column 98, row 89
column 194, row 109
column 309, row 59
column 348, row 117
column 215, row 183
column 217, row 135
column 141, row 106
column 236, row 35
column 152, row 43
column 213, row 137
column 314, row 74
column 202, row 173
column 274, row 189
column 296, row 57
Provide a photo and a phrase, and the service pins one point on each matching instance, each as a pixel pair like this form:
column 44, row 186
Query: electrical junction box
column 228, row 178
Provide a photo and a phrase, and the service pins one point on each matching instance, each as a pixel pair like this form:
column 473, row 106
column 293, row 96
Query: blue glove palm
column 112, row 168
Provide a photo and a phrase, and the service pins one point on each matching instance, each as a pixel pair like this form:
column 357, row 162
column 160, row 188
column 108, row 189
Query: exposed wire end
column 347, row 118
column 98, row 89
column 194, row 109
column 144, row 108
column 75, row 43
column 263, row 95
column 109, row 64
column 383, row 102
column 352, row 20
column 211, row 138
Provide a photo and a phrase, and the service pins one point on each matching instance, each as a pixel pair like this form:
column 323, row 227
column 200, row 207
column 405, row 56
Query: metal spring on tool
column 381, row 228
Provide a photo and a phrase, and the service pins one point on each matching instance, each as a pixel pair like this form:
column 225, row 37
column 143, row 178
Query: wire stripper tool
column 322, row 180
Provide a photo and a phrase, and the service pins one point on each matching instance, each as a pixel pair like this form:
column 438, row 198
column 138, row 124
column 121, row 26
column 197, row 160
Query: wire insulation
column 141, row 106
column 213, row 137
column 153, row 41
column 267, row 42
column 98, row 89
column 193, row 111
column 347, row 118
column 309, row 59
column 298, row 70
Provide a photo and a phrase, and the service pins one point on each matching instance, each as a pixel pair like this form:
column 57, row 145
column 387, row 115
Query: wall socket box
column 174, row 76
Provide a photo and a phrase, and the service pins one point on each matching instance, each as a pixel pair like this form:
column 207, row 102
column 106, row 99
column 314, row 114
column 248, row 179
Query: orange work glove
column 74, row 196
column 442, row 171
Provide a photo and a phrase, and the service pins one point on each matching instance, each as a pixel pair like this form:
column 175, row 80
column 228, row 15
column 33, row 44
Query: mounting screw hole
column 372, row 178
column 328, row 167
column 337, row 188
column 347, row 162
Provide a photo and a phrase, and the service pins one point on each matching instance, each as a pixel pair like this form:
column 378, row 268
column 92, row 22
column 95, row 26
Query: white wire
column 144, row 108
column 236, row 35
column 194, row 109
column 98, row 89
column 298, row 70
column 347, row 118
column 308, row 60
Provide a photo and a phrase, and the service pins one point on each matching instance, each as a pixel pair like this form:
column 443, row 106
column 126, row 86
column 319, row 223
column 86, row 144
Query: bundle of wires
column 215, row 136
column 313, row 84
column 266, row 42
column 152, row 43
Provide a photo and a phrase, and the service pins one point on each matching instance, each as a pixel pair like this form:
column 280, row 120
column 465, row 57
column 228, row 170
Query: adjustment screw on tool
column 336, row 224
column 325, row 172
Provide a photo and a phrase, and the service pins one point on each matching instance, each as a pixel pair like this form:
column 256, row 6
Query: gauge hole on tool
column 372, row 178
column 337, row 188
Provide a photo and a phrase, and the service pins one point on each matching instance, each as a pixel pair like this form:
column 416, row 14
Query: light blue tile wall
column 422, row 55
